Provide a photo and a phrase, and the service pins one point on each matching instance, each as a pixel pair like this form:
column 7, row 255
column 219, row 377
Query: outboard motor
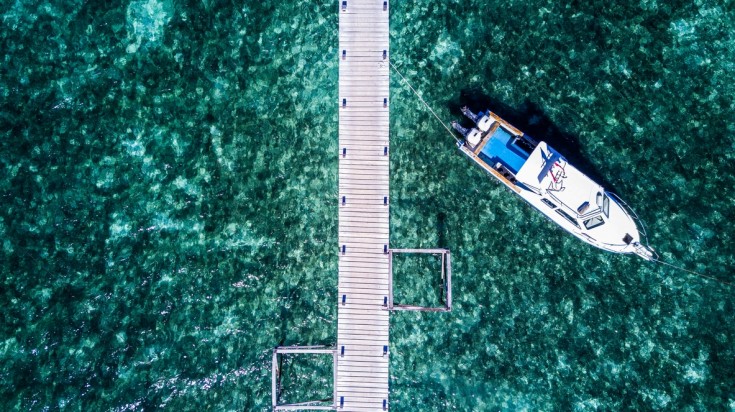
column 482, row 120
column 474, row 137
column 485, row 123
column 462, row 130
column 467, row 112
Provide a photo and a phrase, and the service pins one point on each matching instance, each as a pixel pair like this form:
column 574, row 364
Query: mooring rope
column 657, row 257
column 693, row 272
column 424, row 102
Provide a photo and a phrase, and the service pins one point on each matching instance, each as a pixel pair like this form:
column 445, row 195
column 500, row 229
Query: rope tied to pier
column 424, row 102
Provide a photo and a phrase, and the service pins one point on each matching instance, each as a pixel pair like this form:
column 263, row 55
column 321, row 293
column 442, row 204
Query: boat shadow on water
column 532, row 120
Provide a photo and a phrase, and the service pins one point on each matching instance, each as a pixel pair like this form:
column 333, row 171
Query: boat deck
column 500, row 148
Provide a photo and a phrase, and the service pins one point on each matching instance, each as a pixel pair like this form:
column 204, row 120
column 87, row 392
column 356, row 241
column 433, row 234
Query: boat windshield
column 593, row 222
column 604, row 202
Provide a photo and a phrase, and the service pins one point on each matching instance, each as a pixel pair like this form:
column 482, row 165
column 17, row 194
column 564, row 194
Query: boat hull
column 545, row 180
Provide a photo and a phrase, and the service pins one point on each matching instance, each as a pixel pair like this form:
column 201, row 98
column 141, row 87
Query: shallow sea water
column 169, row 207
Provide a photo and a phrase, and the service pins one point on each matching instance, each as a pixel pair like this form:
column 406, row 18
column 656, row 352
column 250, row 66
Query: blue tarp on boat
column 501, row 149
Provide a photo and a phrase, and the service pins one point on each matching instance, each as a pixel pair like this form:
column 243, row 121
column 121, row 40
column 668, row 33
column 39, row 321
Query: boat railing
column 632, row 212
column 645, row 251
column 644, row 231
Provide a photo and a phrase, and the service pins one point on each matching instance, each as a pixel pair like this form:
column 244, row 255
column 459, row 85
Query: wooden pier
column 365, row 289
column 363, row 318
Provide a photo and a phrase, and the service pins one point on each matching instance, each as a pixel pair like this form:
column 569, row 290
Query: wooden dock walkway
column 365, row 300
column 363, row 319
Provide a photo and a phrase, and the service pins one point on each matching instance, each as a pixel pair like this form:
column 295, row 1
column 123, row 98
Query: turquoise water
column 169, row 204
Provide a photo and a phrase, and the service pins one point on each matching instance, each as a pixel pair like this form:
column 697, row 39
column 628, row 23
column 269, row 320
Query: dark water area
column 169, row 204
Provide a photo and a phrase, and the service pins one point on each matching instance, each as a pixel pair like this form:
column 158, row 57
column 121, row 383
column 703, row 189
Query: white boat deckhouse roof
column 535, row 171
column 547, row 172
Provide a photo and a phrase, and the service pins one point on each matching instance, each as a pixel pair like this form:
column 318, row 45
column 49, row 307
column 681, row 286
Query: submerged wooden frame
column 446, row 273
column 276, row 381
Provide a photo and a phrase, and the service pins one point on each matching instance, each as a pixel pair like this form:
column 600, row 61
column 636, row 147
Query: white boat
column 543, row 177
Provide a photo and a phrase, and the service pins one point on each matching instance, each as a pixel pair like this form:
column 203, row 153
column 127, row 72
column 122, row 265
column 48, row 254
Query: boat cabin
column 565, row 189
